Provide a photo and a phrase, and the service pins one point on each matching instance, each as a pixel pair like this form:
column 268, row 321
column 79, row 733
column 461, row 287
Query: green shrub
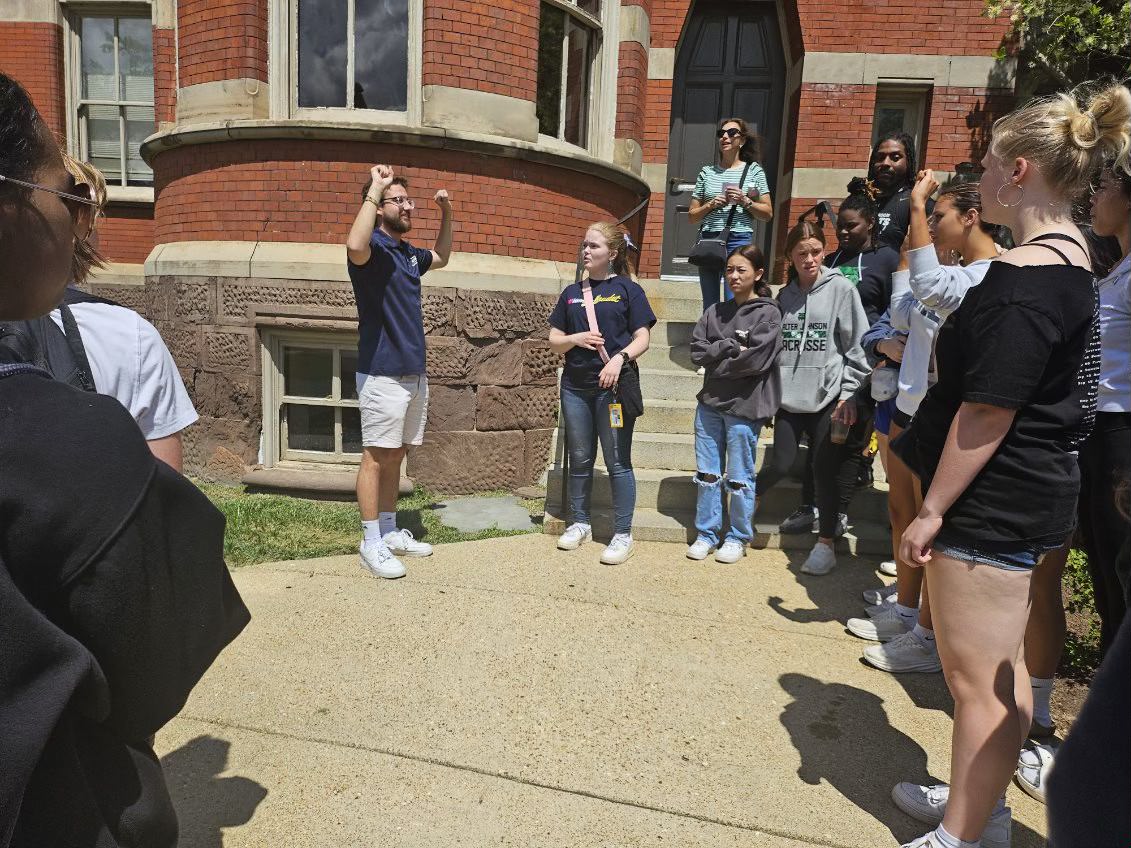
column 1082, row 644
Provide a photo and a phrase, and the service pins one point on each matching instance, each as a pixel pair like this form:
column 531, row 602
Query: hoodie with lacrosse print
column 822, row 360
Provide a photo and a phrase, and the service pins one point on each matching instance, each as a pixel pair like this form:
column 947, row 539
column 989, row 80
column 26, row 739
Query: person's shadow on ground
column 205, row 802
column 834, row 597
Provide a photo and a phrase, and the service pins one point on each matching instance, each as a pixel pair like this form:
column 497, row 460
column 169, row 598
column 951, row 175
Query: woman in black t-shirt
column 994, row 440
column 601, row 324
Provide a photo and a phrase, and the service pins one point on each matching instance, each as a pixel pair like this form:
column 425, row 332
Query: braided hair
column 908, row 147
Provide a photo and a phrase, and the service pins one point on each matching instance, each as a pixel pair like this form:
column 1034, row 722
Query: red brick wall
column 32, row 53
column 491, row 47
column 291, row 191
column 222, row 39
column 632, row 82
column 960, row 122
column 125, row 234
column 164, row 75
column 944, row 27
column 834, row 125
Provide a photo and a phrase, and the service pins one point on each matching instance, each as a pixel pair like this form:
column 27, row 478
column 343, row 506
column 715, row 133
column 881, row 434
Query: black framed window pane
column 351, row 430
column 551, row 31
column 349, row 374
column 579, row 46
column 308, row 372
column 381, row 55
column 322, row 46
column 310, row 428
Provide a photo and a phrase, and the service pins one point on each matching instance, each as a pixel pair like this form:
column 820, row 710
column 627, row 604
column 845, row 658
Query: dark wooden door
column 729, row 64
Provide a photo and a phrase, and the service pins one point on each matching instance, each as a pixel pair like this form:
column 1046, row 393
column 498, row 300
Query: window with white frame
column 112, row 84
column 311, row 398
column 900, row 109
column 352, row 54
column 569, row 37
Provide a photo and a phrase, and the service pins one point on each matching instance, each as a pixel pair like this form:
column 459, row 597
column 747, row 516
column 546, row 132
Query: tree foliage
column 1065, row 42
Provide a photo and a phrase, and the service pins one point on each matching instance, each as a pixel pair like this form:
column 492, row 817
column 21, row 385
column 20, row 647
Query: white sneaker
column 402, row 543
column 878, row 597
column 1033, row 768
column 574, row 536
column 378, row 560
column 699, row 549
column 701, row 370
column 928, row 804
column 883, row 627
column 887, row 567
column 620, row 548
column 822, row 560
column 904, row 653
column 731, row 551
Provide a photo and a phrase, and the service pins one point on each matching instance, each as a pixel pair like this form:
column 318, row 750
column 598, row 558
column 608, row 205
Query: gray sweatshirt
column 822, row 360
column 742, row 378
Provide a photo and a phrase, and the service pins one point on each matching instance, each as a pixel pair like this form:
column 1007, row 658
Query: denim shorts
column 1024, row 557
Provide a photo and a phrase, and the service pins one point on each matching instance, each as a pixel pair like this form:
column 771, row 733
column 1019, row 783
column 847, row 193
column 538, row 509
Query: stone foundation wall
column 492, row 375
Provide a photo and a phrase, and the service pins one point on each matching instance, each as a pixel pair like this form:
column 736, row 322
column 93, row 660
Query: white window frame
column 275, row 398
column 283, row 70
column 911, row 97
column 72, row 69
column 600, row 107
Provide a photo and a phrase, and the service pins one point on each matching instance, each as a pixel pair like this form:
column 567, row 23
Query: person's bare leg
column 901, row 512
column 882, row 443
column 980, row 614
column 924, row 592
column 1044, row 634
column 378, row 481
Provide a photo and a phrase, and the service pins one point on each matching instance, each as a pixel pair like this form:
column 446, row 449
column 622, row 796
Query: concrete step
column 662, row 384
column 676, row 491
column 650, row 525
column 671, row 332
column 667, row 358
column 678, row 308
column 676, row 417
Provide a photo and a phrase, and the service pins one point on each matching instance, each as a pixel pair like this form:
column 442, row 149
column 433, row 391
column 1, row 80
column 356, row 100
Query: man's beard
column 397, row 224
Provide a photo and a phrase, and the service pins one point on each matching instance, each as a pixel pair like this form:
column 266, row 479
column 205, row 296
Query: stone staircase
column 663, row 452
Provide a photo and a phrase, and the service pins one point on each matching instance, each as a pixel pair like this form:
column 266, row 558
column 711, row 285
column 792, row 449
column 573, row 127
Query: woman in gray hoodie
column 822, row 366
column 737, row 342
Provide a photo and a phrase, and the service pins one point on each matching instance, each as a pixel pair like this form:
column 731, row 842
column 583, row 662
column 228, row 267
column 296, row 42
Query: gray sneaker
column 882, row 627
column 928, row 804
column 821, row 560
column 878, row 597
column 803, row 520
column 904, row 654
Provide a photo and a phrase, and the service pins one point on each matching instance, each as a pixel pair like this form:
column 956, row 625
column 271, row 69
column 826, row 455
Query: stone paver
column 506, row 693
column 470, row 515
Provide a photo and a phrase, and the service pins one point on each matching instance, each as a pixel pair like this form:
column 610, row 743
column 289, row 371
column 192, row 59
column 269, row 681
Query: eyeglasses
column 79, row 193
column 402, row 202
column 731, row 133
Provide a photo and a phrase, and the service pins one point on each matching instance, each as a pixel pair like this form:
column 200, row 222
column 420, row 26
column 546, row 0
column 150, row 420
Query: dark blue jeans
column 586, row 414
column 711, row 279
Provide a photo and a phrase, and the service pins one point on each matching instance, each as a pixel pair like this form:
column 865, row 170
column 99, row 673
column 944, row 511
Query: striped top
column 710, row 184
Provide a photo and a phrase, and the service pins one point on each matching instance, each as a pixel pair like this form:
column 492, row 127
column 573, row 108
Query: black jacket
column 871, row 270
column 114, row 600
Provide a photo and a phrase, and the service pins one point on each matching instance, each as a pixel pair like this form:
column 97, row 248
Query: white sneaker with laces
column 378, row 560
column 731, row 551
column 882, row 627
column 877, row 597
column 699, row 549
column 1033, row 768
column 904, row 653
column 928, row 804
column 887, row 567
column 574, row 536
column 822, row 560
column 620, row 549
column 402, row 543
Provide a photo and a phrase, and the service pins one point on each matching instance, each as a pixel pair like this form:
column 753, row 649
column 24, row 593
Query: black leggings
column 835, row 467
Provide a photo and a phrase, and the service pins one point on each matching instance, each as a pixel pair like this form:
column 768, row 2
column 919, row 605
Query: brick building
column 237, row 134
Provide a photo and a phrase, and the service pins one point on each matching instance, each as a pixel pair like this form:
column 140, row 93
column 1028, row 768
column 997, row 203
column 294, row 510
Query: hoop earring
column 1006, row 185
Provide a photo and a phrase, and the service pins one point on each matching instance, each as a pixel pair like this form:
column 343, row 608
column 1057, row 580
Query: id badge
column 616, row 416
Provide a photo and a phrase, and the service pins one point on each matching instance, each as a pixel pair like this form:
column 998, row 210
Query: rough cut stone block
column 498, row 364
column 185, row 343
column 226, row 395
column 448, row 358
column 519, row 408
column 131, row 297
column 507, row 315
column 230, row 349
column 238, row 296
column 539, row 363
column 462, row 463
column 202, row 439
column 194, row 302
column 223, row 466
column 450, row 408
column 438, row 308
column 538, row 457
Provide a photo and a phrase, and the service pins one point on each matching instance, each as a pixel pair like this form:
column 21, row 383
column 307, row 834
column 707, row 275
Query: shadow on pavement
column 205, row 802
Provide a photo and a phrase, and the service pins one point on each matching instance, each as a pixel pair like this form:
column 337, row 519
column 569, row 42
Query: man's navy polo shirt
column 390, row 322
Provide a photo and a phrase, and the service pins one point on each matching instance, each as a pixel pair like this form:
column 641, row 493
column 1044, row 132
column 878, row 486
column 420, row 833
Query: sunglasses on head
column 730, row 133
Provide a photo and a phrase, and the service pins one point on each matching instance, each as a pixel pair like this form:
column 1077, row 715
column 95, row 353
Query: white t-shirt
column 1115, row 339
column 130, row 362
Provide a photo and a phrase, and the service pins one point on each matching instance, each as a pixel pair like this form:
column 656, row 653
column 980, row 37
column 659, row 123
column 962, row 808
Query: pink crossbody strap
column 591, row 315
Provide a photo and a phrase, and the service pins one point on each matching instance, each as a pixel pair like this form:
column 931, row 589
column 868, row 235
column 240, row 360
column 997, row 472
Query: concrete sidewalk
column 506, row 693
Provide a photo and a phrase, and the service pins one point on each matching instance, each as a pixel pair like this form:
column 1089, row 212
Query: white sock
column 372, row 530
column 908, row 614
column 944, row 838
column 388, row 522
column 925, row 635
column 1042, row 693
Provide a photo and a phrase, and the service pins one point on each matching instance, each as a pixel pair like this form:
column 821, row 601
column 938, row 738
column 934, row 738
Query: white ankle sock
column 925, row 635
column 908, row 614
column 945, row 839
column 388, row 522
column 371, row 530
column 1042, row 694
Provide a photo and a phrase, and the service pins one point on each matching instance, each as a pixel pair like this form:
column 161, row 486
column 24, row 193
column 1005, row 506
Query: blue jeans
column 711, row 279
column 725, row 443
column 586, row 414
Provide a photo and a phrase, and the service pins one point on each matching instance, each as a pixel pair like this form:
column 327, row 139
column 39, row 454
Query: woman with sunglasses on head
column 114, row 595
column 735, row 189
column 994, row 441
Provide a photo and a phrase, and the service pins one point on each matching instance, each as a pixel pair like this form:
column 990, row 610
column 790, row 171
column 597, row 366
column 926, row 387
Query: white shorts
column 393, row 410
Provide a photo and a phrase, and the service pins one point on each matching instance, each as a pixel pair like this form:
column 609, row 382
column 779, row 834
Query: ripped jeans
column 725, row 446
